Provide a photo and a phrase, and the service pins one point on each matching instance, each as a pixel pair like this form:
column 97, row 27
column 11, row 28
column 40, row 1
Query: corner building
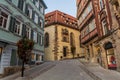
column 19, row 18
column 61, row 36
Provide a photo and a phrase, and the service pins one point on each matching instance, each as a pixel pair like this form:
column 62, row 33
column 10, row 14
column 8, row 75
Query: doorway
column 64, row 51
column 110, row 56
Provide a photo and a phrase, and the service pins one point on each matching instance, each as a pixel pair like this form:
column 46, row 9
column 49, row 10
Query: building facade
column 107, row 20
column 61, row 36
column 109, row 39
column 17, row 19
column 87, row 26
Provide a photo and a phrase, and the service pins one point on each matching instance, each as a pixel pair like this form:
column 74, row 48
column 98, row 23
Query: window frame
column 8, row 17
column 28, row 35
column 20, row 27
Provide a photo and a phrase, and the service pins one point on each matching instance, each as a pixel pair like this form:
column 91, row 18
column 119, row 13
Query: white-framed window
column 35, row 36
column 41, row 9
column 17, row 29
column 41, row 23
column 28, row 32
column 37, row 3
column 36, row 18
column 3, row 19
column 30, row 12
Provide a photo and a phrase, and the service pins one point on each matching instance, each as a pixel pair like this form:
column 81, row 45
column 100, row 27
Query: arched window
column 46, row 39
column 72, row 41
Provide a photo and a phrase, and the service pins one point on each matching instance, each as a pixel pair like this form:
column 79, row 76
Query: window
column 85, row 12
column 41, row 9
column 46, row 40
column 33, row 56
column 30, row 12
column 3, row 19
column 101, row 4
column 41, row 23
column 37, row 3
column 28, row 31
column 36, row 18
column 65, row 35
column 37, row 57
column 20, row 4
column 35, row 36
column 89, row 7
column 104, row 26
column 17, row 27
column 92, row 25
column 72, row 41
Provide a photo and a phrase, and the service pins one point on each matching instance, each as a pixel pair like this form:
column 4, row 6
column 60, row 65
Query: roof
column 58, row 17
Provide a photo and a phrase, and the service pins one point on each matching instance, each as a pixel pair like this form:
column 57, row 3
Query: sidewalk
column 98, row 72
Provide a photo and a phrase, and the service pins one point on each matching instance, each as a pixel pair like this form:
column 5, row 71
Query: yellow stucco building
column 61, row 37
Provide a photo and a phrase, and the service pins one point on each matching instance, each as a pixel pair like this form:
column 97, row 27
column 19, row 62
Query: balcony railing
column 89, row 36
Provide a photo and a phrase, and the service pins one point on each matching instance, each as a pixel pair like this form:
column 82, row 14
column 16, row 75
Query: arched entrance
column 110, row 55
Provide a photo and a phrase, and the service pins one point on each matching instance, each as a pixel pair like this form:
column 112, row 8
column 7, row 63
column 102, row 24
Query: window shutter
column 20, row 4
column 23, row 30
column 39, row 21
column 33, row 15
column 12, row 24
column 31, row 34
column 38, row 38
column 26, row 9
column 42, row 41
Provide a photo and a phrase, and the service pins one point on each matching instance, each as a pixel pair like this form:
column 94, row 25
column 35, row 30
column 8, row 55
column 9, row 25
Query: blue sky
column 66, row 6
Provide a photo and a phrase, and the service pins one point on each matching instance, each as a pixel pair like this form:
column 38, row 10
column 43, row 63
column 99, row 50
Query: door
column 64, row 51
